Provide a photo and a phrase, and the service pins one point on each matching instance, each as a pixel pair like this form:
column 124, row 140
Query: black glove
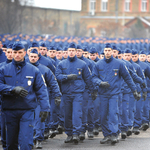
column 144, row 85
column 72, row 77
column 18, row 90
column 57, row 101
column 105, row 84
column 94, row 95
column 43, row 115
column 136, row 95
column 144, row 95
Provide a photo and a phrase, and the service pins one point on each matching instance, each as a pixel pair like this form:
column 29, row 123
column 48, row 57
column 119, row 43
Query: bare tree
column 11, row 15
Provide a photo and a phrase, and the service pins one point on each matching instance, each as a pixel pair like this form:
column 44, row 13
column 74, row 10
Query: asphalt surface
column 134, row 142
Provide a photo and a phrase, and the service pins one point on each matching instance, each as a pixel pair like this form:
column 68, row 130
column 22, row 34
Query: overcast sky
column 59, row 4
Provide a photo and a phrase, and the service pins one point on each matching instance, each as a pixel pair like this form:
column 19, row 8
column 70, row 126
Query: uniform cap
column 34, row 51
column 17, row 46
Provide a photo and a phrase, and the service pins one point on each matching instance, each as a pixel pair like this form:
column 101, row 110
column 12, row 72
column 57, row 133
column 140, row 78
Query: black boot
column 136, row 131
column 144, row 126
column 100, row 129
column 38, row 145
column 82, row 136
column 113, row 139
column 75, row 139
column 95, row 131
column 46, row 135
column 123, row 135
column 60, row 129
column 52, row 134
column 129, row 132
column 69, row 139
column 90, row 134
column 105, row 140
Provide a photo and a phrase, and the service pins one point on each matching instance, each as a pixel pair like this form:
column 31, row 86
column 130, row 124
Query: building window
column 104, row 5
column 143, row 5
column 127, row 5
column 92, row 7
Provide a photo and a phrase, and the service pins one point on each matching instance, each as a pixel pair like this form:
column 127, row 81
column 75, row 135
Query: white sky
column 59, row 4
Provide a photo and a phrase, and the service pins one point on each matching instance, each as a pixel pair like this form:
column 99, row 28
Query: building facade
column 109, row 17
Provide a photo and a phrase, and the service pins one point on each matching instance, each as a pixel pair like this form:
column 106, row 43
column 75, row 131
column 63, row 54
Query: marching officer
column 73, row 73
column 107, row 75
column 21, row 85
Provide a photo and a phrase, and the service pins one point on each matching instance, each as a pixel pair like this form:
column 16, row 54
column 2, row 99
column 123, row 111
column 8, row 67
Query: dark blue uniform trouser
column 132, row 110
column 138, row 114
column 109, row 114
column 125, row 112
column 38, row 125
column 148, row 96
column 97, row 112
column 145, row 111
column 19, row 129
column 3, row 130
column 120, row 111
column 55, row 115
column 73, row 113
column 90, row 116
column 85, row 110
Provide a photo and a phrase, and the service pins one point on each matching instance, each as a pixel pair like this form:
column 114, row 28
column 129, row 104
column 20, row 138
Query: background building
column 105, row 18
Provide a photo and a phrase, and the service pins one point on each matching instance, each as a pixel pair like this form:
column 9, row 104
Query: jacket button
column 16, row 81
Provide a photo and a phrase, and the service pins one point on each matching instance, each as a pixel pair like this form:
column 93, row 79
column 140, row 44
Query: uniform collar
column 97, row 59
column 19, row 64
column 108, row 60
column 35, row 64
column 8, row 61
column 138, row 61
column 81, row 57
column 72, row 59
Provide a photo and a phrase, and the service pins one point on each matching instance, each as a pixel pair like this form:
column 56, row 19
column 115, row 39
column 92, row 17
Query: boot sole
column 52, row 135
column 129, row 133
column 145, row 127
column 82, row 138
column 96, row 133
column 123, row 136
column 75, row 141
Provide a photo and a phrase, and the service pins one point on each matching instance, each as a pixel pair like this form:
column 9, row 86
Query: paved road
column 134, row 142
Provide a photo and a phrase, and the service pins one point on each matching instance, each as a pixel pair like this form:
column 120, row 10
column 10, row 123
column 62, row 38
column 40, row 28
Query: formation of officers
column 51, row 85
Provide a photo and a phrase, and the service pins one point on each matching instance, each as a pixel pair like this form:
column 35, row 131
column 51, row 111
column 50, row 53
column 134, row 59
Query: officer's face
column 92, row 56
column 115, row 53
column 33, row 58
column 71, row 52
column 101, row 56
column 65, row 54
column 86, row 54
column 135, row 57
column 148, row 58
column 108, row 52
column 59, row 55
column 0, row 44
column 127, row 56
column 43, row 51
column 120, row 56
column 142, row 57
column 9, row 54
column 28, row 51
column 79, row 53
column 52, row 53
column 19, row 55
